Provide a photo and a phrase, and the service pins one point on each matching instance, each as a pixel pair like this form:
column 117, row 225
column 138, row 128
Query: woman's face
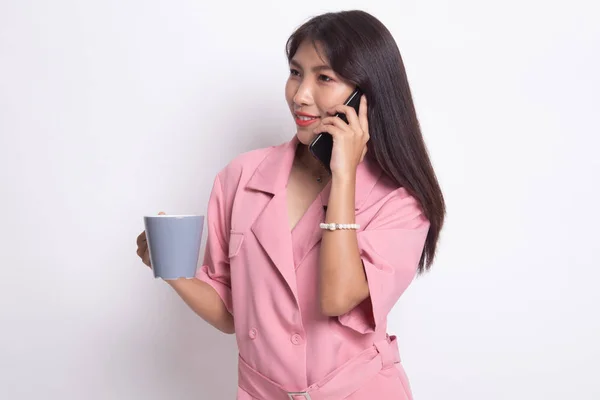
column 311, row 89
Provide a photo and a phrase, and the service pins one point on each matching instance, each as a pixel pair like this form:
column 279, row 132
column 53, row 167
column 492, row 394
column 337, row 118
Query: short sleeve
column 215, row 266
column 390, row 247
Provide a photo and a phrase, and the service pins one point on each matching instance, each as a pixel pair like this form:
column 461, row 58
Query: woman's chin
column 305, row 136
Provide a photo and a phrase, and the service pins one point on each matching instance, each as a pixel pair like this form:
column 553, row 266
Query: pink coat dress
column 267, row 276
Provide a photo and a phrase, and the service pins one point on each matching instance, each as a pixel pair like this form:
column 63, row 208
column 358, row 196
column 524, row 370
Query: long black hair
column 362, row 50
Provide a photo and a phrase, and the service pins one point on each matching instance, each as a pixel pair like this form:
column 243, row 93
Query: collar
column 272, row 173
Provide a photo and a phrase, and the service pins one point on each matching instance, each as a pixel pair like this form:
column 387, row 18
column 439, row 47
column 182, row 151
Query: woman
column 309, row 305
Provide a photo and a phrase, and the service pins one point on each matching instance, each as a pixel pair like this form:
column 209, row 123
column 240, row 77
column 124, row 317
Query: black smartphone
column 322, row 146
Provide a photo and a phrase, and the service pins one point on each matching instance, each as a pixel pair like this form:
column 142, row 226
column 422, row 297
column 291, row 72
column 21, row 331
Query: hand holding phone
column 322, row 146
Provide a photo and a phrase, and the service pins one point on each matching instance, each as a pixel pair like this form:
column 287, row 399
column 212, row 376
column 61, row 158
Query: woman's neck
column 310, row 163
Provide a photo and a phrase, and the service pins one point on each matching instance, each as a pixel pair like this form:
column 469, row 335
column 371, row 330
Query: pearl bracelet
column 333, row 227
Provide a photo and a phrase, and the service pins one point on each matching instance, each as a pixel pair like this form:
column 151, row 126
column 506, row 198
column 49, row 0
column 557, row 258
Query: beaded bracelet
column 333, row 226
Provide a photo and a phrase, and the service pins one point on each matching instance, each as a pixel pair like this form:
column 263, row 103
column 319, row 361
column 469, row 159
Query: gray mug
column 174, row 244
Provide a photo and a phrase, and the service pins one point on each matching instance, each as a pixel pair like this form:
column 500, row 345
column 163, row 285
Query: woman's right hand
column 142, row 246
column 202, row 298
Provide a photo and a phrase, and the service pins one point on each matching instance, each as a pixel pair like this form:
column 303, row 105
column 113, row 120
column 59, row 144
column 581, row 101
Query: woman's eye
column 324, row 78
column 294, row 72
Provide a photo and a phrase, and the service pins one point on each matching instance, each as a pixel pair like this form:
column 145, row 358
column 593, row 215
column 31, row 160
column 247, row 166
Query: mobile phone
column 322, row 146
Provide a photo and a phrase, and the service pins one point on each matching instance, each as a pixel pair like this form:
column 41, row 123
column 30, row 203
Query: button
column 252, row 333
column 297, row 339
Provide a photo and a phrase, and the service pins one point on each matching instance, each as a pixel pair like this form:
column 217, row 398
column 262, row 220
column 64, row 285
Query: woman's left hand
column 349, row 140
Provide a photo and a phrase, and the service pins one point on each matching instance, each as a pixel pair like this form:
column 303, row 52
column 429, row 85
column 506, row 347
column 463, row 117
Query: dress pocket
column 235, row 243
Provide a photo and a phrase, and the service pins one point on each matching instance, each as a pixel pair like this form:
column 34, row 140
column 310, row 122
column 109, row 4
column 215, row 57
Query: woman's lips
column 305, row 121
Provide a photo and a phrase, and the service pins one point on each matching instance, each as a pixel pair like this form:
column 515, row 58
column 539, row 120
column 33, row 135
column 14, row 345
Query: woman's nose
column 303, row 95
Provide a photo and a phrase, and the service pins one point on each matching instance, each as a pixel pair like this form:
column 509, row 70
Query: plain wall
column 111, row 110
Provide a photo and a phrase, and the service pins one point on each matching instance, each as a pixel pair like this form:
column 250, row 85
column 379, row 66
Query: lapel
column 271, row 227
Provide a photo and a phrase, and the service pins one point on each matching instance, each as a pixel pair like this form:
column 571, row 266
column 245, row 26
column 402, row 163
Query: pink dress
column 267, row 277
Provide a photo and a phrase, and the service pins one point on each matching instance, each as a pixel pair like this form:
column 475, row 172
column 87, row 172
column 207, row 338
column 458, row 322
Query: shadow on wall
column 176, row 355
column 196, row 357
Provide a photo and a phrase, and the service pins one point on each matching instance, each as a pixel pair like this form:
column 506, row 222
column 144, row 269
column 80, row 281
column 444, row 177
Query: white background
column 110, row 110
